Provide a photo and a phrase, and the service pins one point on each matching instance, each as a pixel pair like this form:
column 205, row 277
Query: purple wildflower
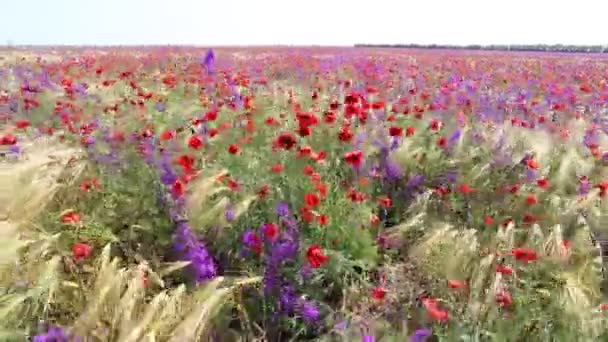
column 309, row 311
column 282, row 209
column 420, row 335
column 160, row 106
column 415, row 181
column 202, row 266
column 368, row 338
column 393, row 170
column 209, row 61
column 55, row 334
column 229, row 214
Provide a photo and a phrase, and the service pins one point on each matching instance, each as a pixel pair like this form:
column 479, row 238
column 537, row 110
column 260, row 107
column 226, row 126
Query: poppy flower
column 307, row 214
column 531, row 199
column 285, row 141
column 442, row 142
column 80, row 251
column 178, row 188
column 532, row 164
column 465, row 189
column 354, row 158
column 167, row 135
column 504, row 270
column 524, row 254
column 395, row 131
column 323, row 220
column 409, row 131
column 456, row 284
column 277, row 168
column 378, row 293
column 311, row 200
column 8, row 139
column 488, row 220
column 233, row 149
column 71, row 217
column 385, row 202
column 503, row 298
column 315, row 256
column 195, row 142
column 271, row 230
column 22, row 124
column 543, row 183
column 345, row 134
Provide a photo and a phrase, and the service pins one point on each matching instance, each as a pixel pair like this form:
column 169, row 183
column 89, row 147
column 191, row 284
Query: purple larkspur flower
column 229, row 213
column 54, row 334
column 531, row 175
column 415, row 181
column 209, row 61
column 454, row 137
column 452, row 176
column 282, row 209
column 160, row 106
column 420, row 335
column 393, row 170
column 251, row 239
column 368, row 338
column 287, row 299
column 309, row 311
column 202, row 267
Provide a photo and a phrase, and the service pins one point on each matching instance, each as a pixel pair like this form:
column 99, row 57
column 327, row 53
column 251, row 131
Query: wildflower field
column 310, row 194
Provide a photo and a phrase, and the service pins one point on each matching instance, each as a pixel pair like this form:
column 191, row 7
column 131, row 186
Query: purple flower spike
column 421, row 335
column 309, row 312
column 52, row 335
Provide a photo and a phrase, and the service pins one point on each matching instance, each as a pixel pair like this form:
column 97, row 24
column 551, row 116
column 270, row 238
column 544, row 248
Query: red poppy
column 80, row 251
column 442, row 141
column 315, row 256
column 378, row 293
column 503, row 298
column 323, row 220
column 354, row 158
column 277, row 168
column 308, row 170
column 434, row 312
column 395, row 131
column 167, row 135
column 465, row 189
column 543, row 183
column 322, row 188
column 307, row 214
column 271, row 230
column 345, row 134
column 409, row 131
column 311, row 200
column 531, row 199
column 22, row 124
column 456, row 284
column 385, row 202
column 178, row 188
column 285, row 141
column 8, row 139
column 504, row 270
column 71, row 217
column 233, row 149
column 524, row 254
column 195, row 142
column 488, row 220
column 532, row 164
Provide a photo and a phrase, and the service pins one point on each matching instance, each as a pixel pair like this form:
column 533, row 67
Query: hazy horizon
column 236, row 23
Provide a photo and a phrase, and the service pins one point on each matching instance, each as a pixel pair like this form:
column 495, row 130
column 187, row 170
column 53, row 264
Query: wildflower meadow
column 302, row 194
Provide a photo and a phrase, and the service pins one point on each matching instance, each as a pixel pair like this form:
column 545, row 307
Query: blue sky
column 320, row 22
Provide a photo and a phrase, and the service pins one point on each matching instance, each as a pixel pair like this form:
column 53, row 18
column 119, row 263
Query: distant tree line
column 539, row 47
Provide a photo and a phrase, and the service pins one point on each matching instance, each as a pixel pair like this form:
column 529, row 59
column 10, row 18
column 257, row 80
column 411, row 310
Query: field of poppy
column 183, row 194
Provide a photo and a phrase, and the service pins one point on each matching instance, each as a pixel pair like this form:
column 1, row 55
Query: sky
column 306, row 22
